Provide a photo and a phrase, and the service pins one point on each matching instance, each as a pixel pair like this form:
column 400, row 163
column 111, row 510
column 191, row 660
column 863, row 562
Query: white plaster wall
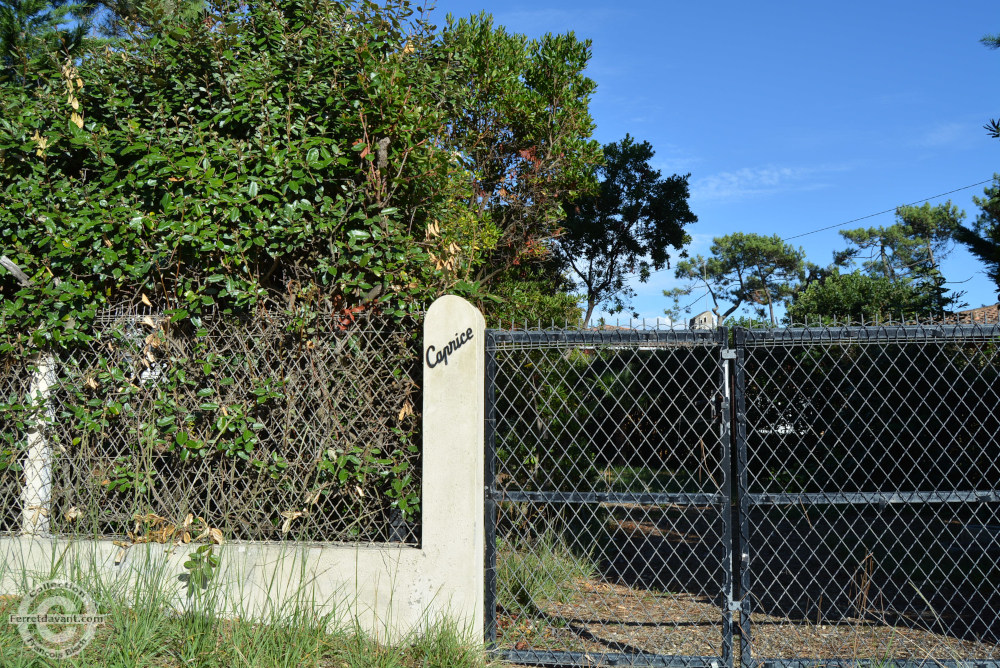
column 389, row 591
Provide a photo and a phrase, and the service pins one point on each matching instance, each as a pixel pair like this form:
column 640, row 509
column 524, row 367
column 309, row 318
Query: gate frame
column 718, row 338
column 846, row 333
column 736, row 499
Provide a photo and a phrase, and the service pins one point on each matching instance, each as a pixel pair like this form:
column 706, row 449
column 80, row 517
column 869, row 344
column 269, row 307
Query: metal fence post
column 725, row 442
column 490, row 597
column 741, row 546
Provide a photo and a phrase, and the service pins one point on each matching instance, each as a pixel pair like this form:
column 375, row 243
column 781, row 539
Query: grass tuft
column 532, row 573
column 148, row 626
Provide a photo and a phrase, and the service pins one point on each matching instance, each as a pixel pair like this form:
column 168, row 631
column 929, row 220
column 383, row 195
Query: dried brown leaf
column 289, row 516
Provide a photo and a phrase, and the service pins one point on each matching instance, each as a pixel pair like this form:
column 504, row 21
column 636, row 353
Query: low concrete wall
column 388, row 591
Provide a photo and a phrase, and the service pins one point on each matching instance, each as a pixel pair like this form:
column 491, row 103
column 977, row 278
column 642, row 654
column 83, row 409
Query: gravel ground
column 657, row 593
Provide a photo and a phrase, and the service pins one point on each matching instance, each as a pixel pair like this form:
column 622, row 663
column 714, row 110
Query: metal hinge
column 729, row 353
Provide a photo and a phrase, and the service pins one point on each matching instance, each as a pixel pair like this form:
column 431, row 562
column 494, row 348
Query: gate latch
column 733, row 605
column 729, row 353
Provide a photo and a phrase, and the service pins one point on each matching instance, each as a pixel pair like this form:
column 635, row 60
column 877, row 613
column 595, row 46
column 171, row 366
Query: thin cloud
column 948, row 135
column 756, row 181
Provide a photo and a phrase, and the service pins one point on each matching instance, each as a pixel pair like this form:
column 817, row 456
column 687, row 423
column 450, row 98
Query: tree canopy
column 743, row 268
column 31, row 30
column 627, row 227
column 910, row 250
column 983, row 237
column 855, row 296
column 518, row 115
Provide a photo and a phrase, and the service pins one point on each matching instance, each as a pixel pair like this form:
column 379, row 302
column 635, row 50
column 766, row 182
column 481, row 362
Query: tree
column 855, row 296
column 743, row 268
column 33, row 29
column 911, row 249
column 626, row 227
column 518, row 120
column 132, row 19
column 227, row 164
column 299, row 159
column 983, row 238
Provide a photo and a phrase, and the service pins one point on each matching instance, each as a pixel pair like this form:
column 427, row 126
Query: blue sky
column 791, row 116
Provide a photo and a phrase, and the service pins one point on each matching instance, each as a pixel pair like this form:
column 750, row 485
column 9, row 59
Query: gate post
column 490, row 518
column 724, row 410
column 452, row 511
column 741, row 544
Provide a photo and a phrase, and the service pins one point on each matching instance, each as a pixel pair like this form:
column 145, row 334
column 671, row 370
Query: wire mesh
column 872, row 494
column 271, row 427
column 15, row 378
column 609, row 491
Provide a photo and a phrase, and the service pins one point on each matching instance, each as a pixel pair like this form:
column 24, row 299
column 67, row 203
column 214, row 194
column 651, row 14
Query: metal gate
column 868, row 487
column 842, row 509
column 609, row 535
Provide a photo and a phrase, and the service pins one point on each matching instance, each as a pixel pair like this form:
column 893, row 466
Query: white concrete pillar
column 36, row 495
column 452, row 512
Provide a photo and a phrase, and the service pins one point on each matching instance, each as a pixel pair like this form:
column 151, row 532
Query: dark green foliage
column 280, row 159
column 33, row 32
column 872, row 417
column 298, row 152
column 297, row 164
column 983, row 237
column 532, row 294
column 567, row 416
column 856, row 296
column 627, row 227
column 519, row 119
column 220, row 163
column 909, row 251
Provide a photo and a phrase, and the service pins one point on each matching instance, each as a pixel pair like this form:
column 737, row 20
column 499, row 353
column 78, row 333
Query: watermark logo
column 57, row 619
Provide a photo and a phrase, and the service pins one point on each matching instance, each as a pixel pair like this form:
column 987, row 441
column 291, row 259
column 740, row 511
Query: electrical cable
column 872, row 215
column 854, row 220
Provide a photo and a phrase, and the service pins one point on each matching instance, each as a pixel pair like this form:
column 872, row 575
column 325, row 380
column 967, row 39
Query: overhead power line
column 855, row 220
column 872, row 215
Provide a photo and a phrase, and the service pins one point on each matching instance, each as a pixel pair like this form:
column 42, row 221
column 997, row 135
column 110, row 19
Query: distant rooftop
column 983, row 314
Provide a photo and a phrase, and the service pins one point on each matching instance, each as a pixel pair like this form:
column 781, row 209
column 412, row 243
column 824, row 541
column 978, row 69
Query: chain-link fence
column 851, row 515
column 871, row 493
column 609, row 495
column 270, row 427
